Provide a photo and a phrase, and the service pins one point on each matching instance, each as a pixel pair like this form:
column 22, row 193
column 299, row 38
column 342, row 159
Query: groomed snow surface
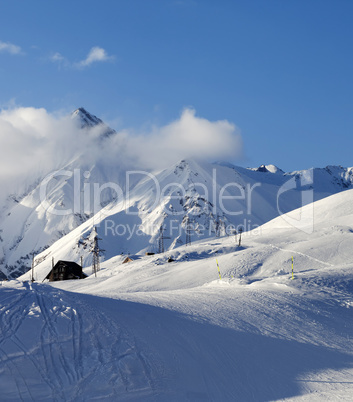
column 151, row 330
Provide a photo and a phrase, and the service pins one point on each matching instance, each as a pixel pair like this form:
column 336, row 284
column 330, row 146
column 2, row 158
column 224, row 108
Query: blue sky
column 281, row 71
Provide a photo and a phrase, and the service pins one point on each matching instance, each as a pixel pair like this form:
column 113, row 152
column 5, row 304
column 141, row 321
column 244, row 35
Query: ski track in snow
column 70, row 344
column 180, row 345
column 302, row 254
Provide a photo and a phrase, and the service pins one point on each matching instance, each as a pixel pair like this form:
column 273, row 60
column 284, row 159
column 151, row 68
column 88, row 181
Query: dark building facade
column 64, row 270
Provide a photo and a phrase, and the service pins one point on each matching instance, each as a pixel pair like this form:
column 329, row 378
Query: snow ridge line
column 304, row 255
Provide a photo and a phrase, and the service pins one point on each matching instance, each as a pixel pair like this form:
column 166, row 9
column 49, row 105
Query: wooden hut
column 127, row 259
column 64, row 270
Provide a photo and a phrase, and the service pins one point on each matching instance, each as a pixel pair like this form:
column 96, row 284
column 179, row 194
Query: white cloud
column 187, row 137
column 96, row 54
column 60, row 60
column 9, row 48
column 35, row 142
column 28, row 137
column 57, row 57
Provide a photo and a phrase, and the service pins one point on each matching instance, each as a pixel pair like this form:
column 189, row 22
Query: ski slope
column 153, row 330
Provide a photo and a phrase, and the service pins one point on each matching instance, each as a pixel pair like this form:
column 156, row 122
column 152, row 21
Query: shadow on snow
column 69, row 346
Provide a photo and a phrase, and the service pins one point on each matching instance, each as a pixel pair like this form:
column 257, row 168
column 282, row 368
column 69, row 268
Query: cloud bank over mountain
column 34, row 142
column 189, row 136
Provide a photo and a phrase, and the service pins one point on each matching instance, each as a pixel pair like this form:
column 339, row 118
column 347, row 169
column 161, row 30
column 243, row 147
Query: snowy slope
column 154, row 330
column 265, row 251
column 27, row 222
column 210, row 344
column 188, row 190
column 29, row 225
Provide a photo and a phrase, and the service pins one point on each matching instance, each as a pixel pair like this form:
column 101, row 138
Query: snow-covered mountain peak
column 268, row 169
column 187, row 166
column 86, row 120
column 261, row 168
